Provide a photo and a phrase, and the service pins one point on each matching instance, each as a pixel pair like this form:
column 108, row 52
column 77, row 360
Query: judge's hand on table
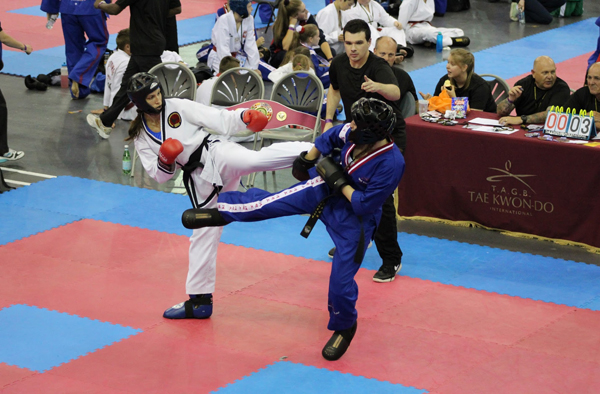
column 508, row 120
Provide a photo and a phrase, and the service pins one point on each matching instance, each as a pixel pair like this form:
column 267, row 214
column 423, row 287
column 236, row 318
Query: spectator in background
column 7, row 153
column 330, row 20
column 596, row 55
column 532, row 95
column 385, row 48
column 416, row 15
column 204, row 91
column 374, row 14
column 588, row 97
column 115, row 69
column 464, row 82
column 308, row 37
column 291, row 13
column 80, row 20
column 147, row 23
column 233, row 35
column 294, row 60
column 536, row 11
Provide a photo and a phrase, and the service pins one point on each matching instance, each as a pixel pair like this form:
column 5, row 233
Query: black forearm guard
column 301, row 166
column 333, row 174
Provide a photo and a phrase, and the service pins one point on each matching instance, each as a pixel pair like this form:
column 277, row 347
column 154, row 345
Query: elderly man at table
column 532, row 95
column 588, row 97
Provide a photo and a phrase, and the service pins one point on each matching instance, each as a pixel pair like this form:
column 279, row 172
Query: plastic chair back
column 235, row 86
column 176, row 79
column 408, row 106
column 300, row 91
column 498, row 86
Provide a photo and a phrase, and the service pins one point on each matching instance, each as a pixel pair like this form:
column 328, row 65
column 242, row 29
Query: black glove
column 301, row 166
column 333, row 174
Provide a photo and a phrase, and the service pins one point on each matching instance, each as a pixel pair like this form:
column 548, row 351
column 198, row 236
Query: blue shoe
column 197, row 307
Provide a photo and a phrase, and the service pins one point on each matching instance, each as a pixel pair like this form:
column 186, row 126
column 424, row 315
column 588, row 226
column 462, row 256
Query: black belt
column 192, row 164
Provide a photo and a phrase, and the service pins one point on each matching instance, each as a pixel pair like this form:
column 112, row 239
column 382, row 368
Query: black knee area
column 202, row 217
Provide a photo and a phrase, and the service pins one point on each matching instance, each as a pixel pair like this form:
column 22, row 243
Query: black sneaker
column 387, row 273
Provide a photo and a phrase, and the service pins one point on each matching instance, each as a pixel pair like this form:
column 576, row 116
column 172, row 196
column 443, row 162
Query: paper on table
column 490, row 129
column 486, row 122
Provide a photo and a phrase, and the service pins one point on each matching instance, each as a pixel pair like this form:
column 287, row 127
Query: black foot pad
column 338, row 343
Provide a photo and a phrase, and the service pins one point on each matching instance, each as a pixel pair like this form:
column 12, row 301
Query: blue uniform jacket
column 72, row 7
column 374, row 177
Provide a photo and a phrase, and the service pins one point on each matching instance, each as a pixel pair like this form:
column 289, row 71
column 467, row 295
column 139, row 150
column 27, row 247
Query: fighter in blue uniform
column 80, row 19
column 347, row 195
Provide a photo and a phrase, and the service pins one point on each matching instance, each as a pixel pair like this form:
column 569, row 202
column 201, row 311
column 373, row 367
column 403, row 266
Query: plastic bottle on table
column 51, row 20
column 439, row 45
column 126, row 161
column 64, row 76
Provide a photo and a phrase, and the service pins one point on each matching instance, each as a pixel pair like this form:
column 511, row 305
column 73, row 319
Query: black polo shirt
column 348, row 81
column 405, row 82
column 478, row 92
column 534, row 99
column 582, row 99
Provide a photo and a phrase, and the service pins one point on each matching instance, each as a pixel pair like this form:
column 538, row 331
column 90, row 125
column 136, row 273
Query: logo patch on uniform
column 174, row 120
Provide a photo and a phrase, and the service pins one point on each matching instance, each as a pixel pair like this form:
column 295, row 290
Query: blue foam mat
column 40, row 339
column 303, row 379
column 444, row 261
column 20, row 222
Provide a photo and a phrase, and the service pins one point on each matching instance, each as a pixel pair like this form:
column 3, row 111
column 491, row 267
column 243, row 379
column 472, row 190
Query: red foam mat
column 571, row 71
column 270, row 307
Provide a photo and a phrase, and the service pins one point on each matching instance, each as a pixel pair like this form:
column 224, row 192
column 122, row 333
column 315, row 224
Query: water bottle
column 126, row 161
column 64, row 76
column 521, row 17
column 439, row 45
column 51, row 20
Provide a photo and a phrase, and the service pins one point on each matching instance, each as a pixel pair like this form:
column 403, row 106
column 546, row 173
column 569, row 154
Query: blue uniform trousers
column 83, row 56
column 342, row 224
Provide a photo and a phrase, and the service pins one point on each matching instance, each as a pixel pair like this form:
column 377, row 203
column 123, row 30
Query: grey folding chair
column 235, row 86
column 177, row 80
column 408, row 106
column 498, row 86
column 302, row 92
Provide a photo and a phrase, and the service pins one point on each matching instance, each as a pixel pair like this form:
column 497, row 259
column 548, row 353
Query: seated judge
column 588, row 97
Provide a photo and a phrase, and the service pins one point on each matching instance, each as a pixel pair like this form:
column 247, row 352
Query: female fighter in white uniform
column 169, row 133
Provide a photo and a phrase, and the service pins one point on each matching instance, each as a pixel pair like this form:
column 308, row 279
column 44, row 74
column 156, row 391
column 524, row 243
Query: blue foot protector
column 197, row 307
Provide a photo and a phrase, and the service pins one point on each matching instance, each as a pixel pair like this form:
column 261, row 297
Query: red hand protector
column 169, row 150
column 255, row 120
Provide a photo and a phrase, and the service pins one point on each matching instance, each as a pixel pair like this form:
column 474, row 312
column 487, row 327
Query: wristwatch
column 524, row 118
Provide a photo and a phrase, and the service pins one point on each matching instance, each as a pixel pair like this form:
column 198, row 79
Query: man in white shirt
column 416, row 15
column 374, row 14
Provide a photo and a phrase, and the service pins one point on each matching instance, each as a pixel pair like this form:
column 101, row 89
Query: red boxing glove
column 169, row 150
column 255, row 120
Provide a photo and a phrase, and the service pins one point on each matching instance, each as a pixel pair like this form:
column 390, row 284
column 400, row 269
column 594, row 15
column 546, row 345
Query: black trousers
column 136, row 64
column 538, row 11
column 3, row 125
column 386, row 236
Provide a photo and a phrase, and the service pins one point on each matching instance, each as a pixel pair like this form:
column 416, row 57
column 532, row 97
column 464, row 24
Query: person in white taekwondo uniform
column 330, row 21
column 373, row 13
column 233, row 35
column 115, row 69
column 169, row 133
column 416, row 16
